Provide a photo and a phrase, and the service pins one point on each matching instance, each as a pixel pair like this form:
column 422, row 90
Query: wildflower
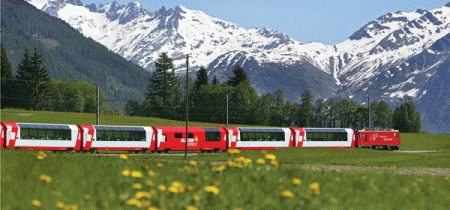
column 314, row 188
column 45, row 178
column 233, row 151
column 152, row 208
column 337, row 179
column 274, row 163
column 151, row 173
column 447, row 178
column 160, row 165
column 287, row 193
column 136, row 174
column 260, row 161
column 212, row 189
column 123, row 156
column 394, row 167
column 238, row 209
column 196, row 197
column 152, row 192
column 126, row 173
column 36, row 203
column 296, row 181
column 176, row 187
column 415, row 184
column 193, row 163
column 71, row 207
column 216, row 183
column 60, row 205
column 218, row 168
column 149, row 183
column 364, row 177
column 41, row 155
column 137, row 186
column 271, row 157
column 142, row 194
column 134, row 202
column 162, row 187
column 87, row 197
column 191, row 208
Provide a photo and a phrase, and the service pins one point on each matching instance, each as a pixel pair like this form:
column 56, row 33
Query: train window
column 244, row 137
column 51, row 134
column 141, row 136
column 213, row 136
column 126, row 136
column 67, row 135
column 258, row 136
column 190, row 135
column 251, row 136
column 134, row 136
column 25, row 133
column 178, row 135
column 266, row 136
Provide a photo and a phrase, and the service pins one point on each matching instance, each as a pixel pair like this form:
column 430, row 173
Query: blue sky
column 325, row 21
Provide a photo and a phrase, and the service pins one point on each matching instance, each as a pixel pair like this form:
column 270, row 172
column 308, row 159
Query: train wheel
column 216, row 150
column 167, row 151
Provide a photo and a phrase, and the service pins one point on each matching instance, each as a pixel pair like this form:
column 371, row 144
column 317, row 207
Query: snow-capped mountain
column 390, row 58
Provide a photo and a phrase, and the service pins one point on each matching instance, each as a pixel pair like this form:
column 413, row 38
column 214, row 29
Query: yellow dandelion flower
column 274, row 163
column 364, row 177
column 447, row 178
column 149, row 183
column 218, row 168
column 216, row 183
column 287, row 193
column 36, row 203
column 136, row 174
column 87, row 196
column 415, row 184
column 296, row 181
column 160, row 165
column 233, row 151
column 196, row 197
column 238, row 209
column 212, row 189
column 152, row 208
column 123, row 156
column 134, row 202
column 177, row 187
column 152, row 192
column 162, row 187
column 394, row 167
column 260, row 161
column 60, row 205
column 191, row 208
column 126, row 173
column 193, row 163
column 314, row 188
column 151, row 173
column 271, row 157
column 337, row 179
column 137, row 186
column 45, row 178
column 146, row 204
column 142, row 194
column 41, row 155
column 71, row 207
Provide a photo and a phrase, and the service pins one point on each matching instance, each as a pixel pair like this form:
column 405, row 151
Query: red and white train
column 167, row 138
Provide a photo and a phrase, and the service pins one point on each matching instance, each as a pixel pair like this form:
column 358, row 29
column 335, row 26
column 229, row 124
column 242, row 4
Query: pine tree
column 305, row 114
column 25, row 80
column 215, row 81
column 7, row 81
column 41, row 88
column 239, row 76
column 162, row 88
column 202, row 78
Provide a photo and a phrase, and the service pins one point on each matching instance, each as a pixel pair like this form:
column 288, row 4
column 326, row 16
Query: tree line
column 166, row 98
column 32, row 88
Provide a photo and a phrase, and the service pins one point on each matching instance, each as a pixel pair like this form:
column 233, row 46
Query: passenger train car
column 169, row 138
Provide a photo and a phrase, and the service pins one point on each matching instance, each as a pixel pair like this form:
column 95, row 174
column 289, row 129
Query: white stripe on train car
column 285, row 143
column 49, row 143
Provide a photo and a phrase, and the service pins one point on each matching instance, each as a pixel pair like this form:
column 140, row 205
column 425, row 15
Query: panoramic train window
column 212, row 136
column 262, row 136
column 119, row 135
column 326, row 136
column 45, row 134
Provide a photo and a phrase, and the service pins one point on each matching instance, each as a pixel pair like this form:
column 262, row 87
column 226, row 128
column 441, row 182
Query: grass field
column 30, row 180
column 66, row 181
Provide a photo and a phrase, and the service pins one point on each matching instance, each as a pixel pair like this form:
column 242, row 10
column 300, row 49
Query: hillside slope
column 67, row 54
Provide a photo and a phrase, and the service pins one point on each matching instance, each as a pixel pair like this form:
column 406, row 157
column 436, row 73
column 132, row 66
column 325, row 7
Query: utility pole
column 98, row 105
column 187, row 105
column 227, row 109
column 368, row 105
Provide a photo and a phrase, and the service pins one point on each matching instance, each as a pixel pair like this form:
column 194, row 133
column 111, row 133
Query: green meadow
column 247, row 180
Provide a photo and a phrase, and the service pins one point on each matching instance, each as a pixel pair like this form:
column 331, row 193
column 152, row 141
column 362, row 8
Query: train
column 93, row 138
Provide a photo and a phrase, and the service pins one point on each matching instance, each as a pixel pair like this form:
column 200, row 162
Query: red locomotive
column 169, row 138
